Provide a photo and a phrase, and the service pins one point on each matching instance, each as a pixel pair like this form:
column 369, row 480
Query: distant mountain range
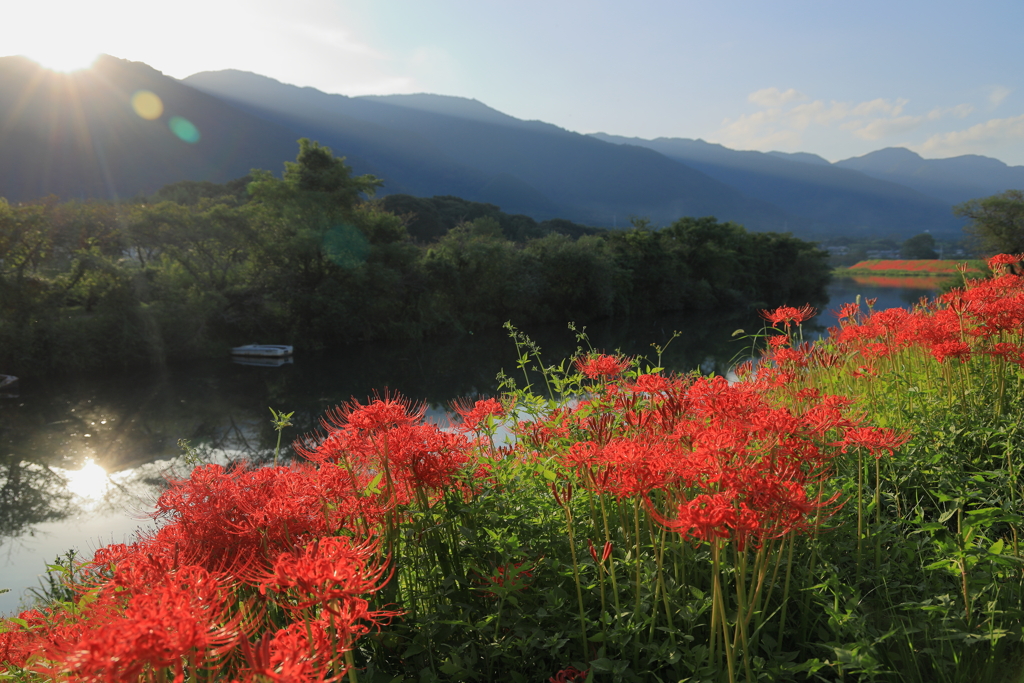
column 78, row 136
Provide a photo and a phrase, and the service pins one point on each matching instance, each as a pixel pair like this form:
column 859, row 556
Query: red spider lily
column 506, row 578
column 705, row 517
column 473, row 415
column 1009, row 352
column 788, row 315
column 606, row 552
column 564, row 499
column 237, row 520
column 651, row 384
column 304, row 651
column 389, row 441
column 875, row 439
column 918, row 281
column 19, row 641
column 951, row 349
column 148, row 618
column 333, row 574
column 1002, row 263
column 596, row 366
column 849, row 310
column 569, row 675
column 633, row 466
column 378, row 415
column 865, row 372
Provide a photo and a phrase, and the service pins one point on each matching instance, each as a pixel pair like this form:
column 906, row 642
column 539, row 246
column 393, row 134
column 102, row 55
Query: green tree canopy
column 919, row 247
column 997, row 222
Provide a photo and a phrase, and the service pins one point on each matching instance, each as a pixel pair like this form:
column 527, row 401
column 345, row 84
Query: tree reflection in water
column 31, row 494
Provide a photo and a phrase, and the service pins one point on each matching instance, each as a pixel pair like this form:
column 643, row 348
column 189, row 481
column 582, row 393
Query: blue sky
column 838, row 79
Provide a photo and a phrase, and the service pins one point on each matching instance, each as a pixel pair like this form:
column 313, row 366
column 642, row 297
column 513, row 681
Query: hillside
column 828, row 197
column 77, row 136
column 952, row 180
column 430, row 144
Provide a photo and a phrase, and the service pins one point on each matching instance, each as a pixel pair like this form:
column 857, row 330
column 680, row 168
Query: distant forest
column 311, row 259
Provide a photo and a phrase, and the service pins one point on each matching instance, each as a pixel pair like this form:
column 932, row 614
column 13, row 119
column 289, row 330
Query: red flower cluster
column 727, row 461
column 788, row 315
column 387, row 442
column 333, row 574
column 1004, row 263
column 984, row 318
column 911, row 265
column 596, row 366
column 170, row 601
column 473, row 415
column 569, row 675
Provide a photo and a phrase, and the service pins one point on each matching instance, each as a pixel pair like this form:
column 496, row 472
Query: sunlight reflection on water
column 90, row 482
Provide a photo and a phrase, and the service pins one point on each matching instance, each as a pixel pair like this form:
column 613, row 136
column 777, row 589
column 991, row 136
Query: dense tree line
column 311, row 259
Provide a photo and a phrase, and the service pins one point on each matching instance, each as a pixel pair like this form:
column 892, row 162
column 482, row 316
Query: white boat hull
column 262, row 351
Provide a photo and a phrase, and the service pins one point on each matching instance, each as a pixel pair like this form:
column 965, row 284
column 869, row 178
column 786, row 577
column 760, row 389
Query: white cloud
column 780, row 123
column 880, row 107
column 785, row 118
column 882, row 128
column 960, row 111
column 984, row 138
column 996, row 95
column 773, row 97
column 756, row 131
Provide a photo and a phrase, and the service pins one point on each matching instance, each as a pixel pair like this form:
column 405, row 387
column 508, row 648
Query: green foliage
column 309, row 259
column 997, row 222
column 919, row 247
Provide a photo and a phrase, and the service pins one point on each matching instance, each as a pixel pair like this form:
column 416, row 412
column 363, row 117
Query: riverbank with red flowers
column 847, row 510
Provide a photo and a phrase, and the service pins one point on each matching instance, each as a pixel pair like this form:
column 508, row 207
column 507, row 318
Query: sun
column 64, row 58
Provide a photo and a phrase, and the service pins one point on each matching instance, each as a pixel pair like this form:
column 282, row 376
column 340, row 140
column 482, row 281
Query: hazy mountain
column 801, row 156
column 77, row 135
column 805, row 185
column 431, row 144
column 952, row 180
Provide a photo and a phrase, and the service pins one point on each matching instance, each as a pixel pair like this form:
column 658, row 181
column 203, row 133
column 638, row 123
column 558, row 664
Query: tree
column 997, row 222
column 919, row 247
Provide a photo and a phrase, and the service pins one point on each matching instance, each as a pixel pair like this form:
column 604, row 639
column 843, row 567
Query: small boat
column 262, row 350
column 263, row 361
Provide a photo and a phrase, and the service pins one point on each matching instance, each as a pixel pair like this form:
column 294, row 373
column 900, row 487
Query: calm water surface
column 83, row 459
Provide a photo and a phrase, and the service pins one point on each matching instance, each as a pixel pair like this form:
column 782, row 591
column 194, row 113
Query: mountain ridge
column 76, row 136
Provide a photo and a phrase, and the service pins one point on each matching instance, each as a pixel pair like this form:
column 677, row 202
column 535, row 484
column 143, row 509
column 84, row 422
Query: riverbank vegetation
column 311, row 260
column 845, row 510
column 915, row 268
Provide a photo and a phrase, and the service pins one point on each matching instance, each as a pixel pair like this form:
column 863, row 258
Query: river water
column 82, row 459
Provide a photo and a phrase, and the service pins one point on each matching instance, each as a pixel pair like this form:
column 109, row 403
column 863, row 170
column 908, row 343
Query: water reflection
column 31, row 494
column 89, row 483
column 900, row 293
column 84, row 458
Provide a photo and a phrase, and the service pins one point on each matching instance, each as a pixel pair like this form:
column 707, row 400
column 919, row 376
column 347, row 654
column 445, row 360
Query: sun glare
column 89, row 482
column 65, row 59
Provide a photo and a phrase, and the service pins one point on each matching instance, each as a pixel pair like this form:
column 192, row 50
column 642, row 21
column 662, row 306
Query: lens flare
column 147, row 105
column 184, row 129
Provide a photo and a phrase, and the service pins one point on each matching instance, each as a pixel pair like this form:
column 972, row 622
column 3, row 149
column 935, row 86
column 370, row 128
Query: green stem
column 576, row 577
